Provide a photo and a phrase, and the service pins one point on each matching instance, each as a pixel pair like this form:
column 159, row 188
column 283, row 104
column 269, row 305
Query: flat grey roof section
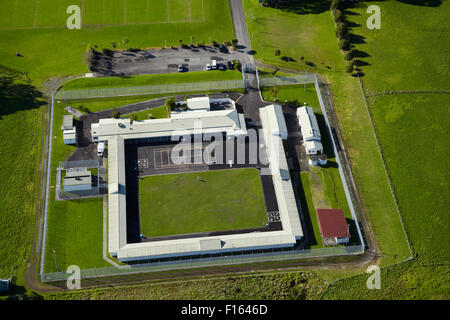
column 308, row 124
column 276, row 118
column 287, row 203
column 189, row 122
column 76, row 181
column 67, row 121
column 117, row 235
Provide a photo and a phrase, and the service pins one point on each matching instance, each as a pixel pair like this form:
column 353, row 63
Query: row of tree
column 342, row 33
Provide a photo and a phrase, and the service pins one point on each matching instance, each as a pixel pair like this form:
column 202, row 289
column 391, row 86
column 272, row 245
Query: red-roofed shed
column 333, row 226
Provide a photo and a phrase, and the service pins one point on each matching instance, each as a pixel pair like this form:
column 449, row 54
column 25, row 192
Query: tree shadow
column 17, row 93
column 300, row 7
column 425, row 3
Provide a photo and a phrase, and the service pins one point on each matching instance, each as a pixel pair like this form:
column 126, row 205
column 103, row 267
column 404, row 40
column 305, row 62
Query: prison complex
column 229, row 122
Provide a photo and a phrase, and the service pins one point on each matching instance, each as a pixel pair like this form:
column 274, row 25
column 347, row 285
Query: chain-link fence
column 287, row 80
column 210, row 260
column 148, row 89
column 96, row 187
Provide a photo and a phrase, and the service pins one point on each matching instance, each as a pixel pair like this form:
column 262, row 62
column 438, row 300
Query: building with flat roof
column 333, row 226
column 77, row 180
column 310, row 130
column 200, row 103
column 229, row 122
column 69, row 130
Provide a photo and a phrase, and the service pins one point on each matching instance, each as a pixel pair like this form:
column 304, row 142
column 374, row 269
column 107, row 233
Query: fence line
column 287, row 80
column 230, row 259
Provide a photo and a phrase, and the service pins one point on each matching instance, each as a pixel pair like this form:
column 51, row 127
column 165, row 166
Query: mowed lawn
column 51, row 13
column 181, row 204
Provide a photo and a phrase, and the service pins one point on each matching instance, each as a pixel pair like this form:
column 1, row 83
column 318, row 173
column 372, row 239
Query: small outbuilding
column 310, row 130
column 200, row 103
column 69, row 130
column 333, row 226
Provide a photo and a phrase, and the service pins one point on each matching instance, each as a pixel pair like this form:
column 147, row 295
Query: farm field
column 181, row 204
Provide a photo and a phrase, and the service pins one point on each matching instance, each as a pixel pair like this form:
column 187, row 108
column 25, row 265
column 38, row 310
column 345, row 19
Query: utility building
column 69, row 130
column 200, row 103
column 310, row 130
column 333, row 226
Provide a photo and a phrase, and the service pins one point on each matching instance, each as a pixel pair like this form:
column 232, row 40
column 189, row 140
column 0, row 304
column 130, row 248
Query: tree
column 116, row 115
column 349, row 55
column 349, row 67
column 338, row 15
column 341, row 30
column 234, row 43
column 277, row 52
column 335, row 4
column 344, row 44
column 125, row 42
column 114, row 45
column 171, row 103
column 180, row 41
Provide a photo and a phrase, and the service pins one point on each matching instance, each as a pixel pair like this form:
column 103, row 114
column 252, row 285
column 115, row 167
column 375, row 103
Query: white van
column 100, row 149
column 214, row 65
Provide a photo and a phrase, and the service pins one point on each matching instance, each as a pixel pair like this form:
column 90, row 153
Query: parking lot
column 167, row 60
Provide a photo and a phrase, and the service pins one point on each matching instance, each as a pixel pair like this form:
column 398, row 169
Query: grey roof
column 67, row 121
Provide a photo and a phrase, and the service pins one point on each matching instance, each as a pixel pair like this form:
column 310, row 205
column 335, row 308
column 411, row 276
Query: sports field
column 35, row 14
column 182, row 204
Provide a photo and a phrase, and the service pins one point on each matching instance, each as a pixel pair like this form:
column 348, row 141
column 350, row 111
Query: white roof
column 229, row 121
column 308, row 124
column 67, row 121
column 287, row 205
column 276, row 118
column 117, row 227
column 198, row 103
column 313, row 146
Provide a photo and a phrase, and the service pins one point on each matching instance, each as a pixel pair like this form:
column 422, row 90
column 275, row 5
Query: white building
column 310, row 130
column 200, row 103
column 69, row 130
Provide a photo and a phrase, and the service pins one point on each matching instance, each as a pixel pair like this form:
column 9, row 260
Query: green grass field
column 180, row 204
column 74, row 227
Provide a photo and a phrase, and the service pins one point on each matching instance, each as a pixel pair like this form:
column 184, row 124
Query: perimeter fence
column 78, row 94
column 256, row 256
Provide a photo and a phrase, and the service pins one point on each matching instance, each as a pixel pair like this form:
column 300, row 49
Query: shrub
column 344, row 44
column 277, row 52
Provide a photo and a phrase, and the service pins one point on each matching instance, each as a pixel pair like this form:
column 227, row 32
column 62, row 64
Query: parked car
column 222, row 67
column 180, row 68
column 230, row 65
column 214, row 65
column 100, row 149
column 208, row 67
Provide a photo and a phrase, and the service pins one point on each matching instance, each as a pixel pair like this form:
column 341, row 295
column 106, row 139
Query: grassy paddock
column 180, row 204
column 152, row 79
